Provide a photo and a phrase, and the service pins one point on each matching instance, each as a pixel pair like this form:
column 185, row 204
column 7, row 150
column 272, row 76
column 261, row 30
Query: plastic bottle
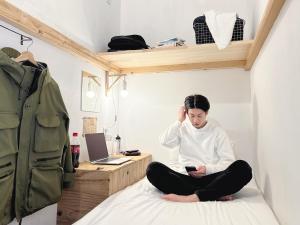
column 117, row 149
column 75, row 149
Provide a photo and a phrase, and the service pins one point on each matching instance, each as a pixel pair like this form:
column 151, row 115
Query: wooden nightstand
column 94, row 183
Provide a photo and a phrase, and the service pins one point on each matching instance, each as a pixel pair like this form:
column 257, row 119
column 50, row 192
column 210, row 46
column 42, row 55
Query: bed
column 140, row 204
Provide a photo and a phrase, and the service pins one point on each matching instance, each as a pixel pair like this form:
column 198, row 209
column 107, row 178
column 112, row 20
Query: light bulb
column 124, row 91
column 90, row 94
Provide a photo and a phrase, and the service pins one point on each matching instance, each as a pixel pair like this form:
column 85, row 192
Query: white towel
column 221, row 27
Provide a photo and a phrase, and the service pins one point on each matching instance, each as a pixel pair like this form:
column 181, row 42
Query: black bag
column 204, row 36
column 128, row 42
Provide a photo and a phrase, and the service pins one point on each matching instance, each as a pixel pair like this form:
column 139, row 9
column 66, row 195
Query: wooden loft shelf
column 206, row 56
column 240, row 54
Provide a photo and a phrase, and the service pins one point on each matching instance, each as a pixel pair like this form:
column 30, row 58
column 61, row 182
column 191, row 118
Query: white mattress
column 140, row 204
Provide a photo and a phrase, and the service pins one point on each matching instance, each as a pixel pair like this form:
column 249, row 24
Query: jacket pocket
column 6, row 188
column 8, row 134
column 47, row 133
column 45, row 187
column 51, row 161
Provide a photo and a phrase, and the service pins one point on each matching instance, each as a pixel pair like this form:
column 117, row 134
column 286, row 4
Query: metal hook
column 24, row 38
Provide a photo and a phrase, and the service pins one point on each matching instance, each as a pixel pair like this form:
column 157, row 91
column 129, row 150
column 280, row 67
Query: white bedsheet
column 140, row 204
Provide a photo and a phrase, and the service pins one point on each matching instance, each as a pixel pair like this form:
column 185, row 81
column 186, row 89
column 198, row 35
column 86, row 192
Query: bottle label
column 75, row 148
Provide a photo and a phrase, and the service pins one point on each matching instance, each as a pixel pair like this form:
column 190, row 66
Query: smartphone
column 190, row 168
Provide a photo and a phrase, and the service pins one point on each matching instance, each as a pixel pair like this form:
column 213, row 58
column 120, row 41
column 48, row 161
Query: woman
column 206, row 146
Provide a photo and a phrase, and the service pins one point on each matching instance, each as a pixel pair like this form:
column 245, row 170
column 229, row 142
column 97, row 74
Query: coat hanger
column 27, row 56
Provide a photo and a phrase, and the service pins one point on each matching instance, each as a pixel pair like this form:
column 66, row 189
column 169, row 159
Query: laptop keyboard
column 105, row 160
column 113, row 159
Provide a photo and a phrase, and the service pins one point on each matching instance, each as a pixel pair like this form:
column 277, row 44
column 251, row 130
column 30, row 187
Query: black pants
column 207, row 188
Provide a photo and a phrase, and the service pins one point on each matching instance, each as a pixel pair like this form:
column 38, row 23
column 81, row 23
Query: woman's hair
column 197, row 102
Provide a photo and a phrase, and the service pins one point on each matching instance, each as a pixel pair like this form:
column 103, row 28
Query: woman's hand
column 201, row 171
column 181, row 114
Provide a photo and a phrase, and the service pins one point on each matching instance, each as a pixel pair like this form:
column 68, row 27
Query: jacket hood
column 14, row 69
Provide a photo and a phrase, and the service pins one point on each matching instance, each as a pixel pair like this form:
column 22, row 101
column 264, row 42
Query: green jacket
column 35, row 157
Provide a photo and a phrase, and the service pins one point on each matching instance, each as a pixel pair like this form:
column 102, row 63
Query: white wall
column 157, row 20
column 275, row 80
column 66, row 70
column 91, row 24
column 154, row 99
column 258, row 13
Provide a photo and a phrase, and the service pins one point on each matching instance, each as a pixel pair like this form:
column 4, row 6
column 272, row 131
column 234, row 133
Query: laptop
column 97, row 150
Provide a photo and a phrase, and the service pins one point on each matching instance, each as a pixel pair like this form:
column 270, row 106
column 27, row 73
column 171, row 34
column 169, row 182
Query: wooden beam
column 181, row 67
column 34, row 27
column 107, row 81
column 92, row 76
column 271, row 13
column 183, row 55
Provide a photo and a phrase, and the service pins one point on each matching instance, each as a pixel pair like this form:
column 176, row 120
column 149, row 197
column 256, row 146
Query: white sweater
column 208, row 146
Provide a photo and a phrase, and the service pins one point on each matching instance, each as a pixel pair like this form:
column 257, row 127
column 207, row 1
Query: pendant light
column 124, row 91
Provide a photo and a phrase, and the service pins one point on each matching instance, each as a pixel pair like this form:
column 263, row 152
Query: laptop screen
column 96, row 146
